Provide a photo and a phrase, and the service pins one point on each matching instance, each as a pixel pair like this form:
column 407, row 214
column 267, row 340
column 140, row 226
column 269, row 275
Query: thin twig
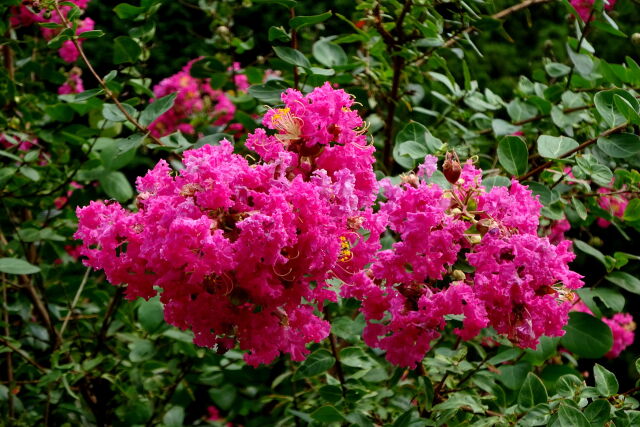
column 101, row 82
column 24, row 355
column 575, row 150
column 334, row 349
column 75, row 301
column 5, row 318
column 585, row 29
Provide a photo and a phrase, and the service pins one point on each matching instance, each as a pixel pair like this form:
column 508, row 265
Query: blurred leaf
column 587, row 336
column 116, row 185
column 157, row 108
column 327, row 414
column 292, row 56
column 304, row 21
column 620, row 145
column 316, row 363
column 125, row 49
column 17, row 266
column 625, row 280
column 329, row 54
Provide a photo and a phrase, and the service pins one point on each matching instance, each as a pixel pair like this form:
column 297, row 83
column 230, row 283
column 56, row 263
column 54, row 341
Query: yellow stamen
column 345, row 250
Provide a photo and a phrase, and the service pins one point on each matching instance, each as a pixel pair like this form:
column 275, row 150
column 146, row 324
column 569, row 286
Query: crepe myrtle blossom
column 195, row 99
column 520, row 284
column 242, row 254
column 584, row 7
column 30, row 13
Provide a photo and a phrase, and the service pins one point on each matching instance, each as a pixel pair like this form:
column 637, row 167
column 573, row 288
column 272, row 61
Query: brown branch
column 500, row 15
column 294, row 45
column 5, row 318
column 334, row 349
column 101, row 82
column 575, row 150
column 539, row 117
column 24, row 355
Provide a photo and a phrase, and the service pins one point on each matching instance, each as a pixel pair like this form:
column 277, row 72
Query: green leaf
column 356, row 357
column 157, row 108
column 555, row 69
column 268, row 92
column 141, row 350
column 17, row 266
column 327, row 414
column 626, row 109
column 532, row 392
column 587, row 336
column 606, row 381
column 279, row 34
column 608, row 262
column 116, row 185
column 316, row 363
column 93, row 34
column 329, row 54
column 130, row 143
column 127, row 11
column 625, row 280
column 620, row 145
column 632, row 211
column 414, row 131
column 404, row 420
column 292, row 56
column 224, row 396
column 513, row 155
column 113, row 113
column 174, row 417
column 304, row 21
column 502, row 127
column 568, row 416
column 150, row 314
column 598, row 412
column 579, row 207
column 606, row 106
column 554, row 147
column 330, row 393
column 125, row 49
column 495, row 181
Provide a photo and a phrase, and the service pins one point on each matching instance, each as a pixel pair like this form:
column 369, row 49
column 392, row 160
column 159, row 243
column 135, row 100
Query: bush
column 369, row 213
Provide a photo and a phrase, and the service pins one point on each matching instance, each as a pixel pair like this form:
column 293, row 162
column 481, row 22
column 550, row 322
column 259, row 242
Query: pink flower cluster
column 245, row 254
column 242, row 253
column 622, row 327
column 613, row 203
column 25, row 15
column 195, row 97
column 518, row 283
column 583, row 7
column 73, row 83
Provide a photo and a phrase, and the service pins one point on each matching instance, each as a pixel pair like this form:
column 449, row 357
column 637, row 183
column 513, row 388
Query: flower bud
column 458, row 275
column 451, row 168
column 475, row 239
column 635, row 39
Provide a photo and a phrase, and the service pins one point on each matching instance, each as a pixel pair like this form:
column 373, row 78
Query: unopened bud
column 635, row 39
column 411, row 179
column 456, row 211
column 475, row 239
column 451, row 167
column 458, row 275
